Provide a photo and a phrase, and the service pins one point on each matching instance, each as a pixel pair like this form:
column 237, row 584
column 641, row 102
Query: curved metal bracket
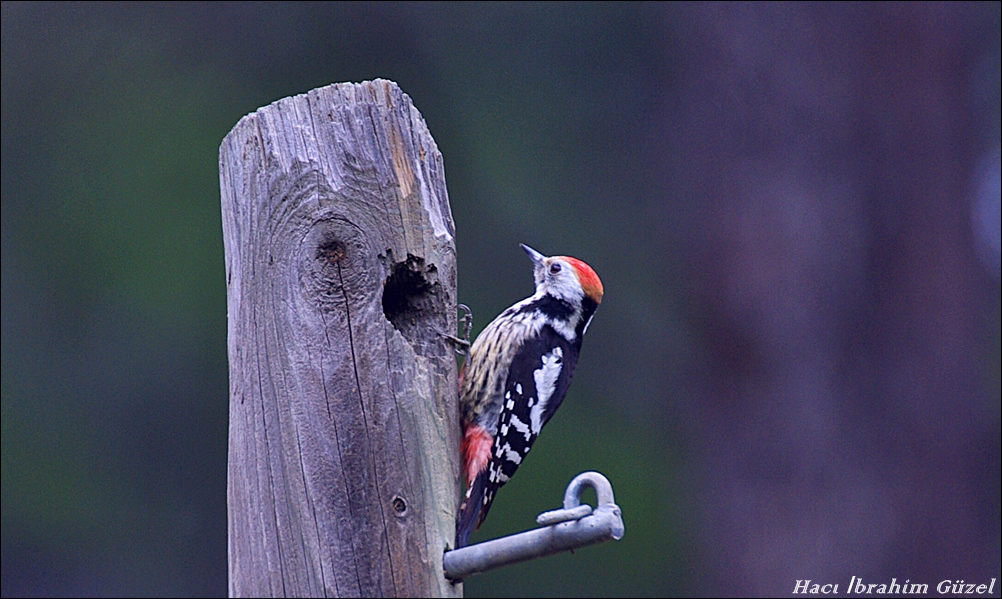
column 565, row 529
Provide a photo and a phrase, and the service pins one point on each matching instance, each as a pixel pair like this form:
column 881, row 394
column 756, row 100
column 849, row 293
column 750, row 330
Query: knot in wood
column 399, row 506
column 332, row 251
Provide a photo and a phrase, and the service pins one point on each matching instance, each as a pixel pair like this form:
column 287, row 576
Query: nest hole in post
column 409, row 297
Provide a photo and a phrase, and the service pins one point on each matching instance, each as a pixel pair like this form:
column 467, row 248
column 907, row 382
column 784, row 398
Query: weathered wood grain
column 341, row 272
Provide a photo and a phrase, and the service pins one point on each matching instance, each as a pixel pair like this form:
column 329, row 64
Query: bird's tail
column 469, row 513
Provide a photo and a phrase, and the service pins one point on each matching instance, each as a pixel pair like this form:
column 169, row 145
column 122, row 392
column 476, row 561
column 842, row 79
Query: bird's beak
column 535, row 256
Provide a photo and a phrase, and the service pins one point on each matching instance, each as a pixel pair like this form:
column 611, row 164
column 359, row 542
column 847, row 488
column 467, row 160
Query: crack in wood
column 361, row 403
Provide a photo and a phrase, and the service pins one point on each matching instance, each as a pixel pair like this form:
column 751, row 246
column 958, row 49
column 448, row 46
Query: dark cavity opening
column 408, row 296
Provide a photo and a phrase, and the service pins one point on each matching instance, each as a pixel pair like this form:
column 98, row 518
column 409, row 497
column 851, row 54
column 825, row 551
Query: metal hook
column 565, row 529
column 573, row 510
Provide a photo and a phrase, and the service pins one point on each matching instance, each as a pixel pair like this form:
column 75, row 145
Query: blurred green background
column 794, row 208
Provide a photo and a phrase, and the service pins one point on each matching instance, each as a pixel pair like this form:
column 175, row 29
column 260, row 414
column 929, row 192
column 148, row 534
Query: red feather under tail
column 476, row 450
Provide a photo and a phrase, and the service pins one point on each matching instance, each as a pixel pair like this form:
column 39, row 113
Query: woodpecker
column 516, row 376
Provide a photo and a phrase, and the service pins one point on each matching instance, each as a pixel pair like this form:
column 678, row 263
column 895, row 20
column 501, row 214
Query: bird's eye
column 554, row 268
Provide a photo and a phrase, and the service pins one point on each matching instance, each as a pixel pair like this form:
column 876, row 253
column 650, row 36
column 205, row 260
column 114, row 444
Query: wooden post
column 340, row 275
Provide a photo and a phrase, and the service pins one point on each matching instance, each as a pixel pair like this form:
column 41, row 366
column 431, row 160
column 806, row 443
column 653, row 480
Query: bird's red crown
column 590, row 283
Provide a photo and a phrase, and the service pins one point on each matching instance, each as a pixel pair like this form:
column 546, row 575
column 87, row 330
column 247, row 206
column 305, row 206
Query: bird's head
column 565, row 277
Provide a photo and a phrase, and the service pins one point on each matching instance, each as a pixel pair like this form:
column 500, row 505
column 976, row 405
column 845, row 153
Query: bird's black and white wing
column 536, row 385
